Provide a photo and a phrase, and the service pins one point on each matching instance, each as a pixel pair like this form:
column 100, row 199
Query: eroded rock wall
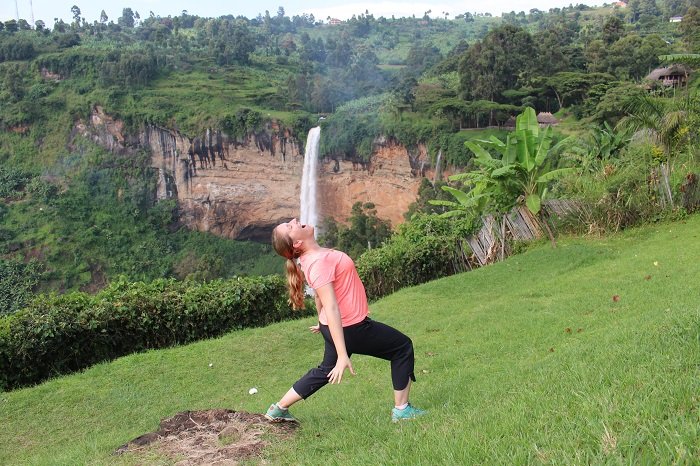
column 390, row 181
column 242, row 188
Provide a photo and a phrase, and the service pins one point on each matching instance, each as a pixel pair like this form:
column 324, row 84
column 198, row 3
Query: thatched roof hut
column 546, row 119
column 673, row 75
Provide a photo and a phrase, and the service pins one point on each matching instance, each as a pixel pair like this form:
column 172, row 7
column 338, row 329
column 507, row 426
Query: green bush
column 426, row 248
column 12, row 181
column 623, row 192
column 17, row 280
column 60, row 334
column 16, row 48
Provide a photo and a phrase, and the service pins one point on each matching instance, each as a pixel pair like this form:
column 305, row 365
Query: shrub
column 42, row 190
column 426, row 248
column 12, row 181
column 17, row 280
column 16, row 48
column 622, row 193
column 60, row 334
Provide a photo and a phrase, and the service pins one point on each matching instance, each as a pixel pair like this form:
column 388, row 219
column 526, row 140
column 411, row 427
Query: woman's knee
column 406, row 348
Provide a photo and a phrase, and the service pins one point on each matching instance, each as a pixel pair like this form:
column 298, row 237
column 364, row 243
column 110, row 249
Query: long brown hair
column 284, row 246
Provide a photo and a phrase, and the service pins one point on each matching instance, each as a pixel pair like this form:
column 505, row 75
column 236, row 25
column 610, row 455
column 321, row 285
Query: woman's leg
column 401, row 396
column 289, row 399
column 382, row 341
column 316, row 378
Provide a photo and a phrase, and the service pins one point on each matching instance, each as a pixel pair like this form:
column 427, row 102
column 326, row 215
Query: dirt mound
column 215, row 436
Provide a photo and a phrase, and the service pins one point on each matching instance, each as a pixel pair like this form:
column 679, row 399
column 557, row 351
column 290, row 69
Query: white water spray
column 438, row 168
column 309, row 204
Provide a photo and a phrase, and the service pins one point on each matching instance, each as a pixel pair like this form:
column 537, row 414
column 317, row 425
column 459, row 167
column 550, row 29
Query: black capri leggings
column 367, row 337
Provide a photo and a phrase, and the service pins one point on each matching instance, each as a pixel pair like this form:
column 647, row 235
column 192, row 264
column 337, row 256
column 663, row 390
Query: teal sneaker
column 409, row 412
column 277, row 414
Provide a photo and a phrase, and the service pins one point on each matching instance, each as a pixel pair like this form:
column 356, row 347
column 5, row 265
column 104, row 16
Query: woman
column 342, row 313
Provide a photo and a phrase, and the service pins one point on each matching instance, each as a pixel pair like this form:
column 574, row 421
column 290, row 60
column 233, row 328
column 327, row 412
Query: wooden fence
column 492, row 242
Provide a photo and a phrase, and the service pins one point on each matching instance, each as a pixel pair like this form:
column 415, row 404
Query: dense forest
column 74, row 216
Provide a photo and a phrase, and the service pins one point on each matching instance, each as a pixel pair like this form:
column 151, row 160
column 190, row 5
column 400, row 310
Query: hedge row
column 60, row 334
column 426, row 248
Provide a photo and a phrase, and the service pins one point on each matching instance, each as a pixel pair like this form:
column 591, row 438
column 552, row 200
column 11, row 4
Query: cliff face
column 390, row 181
column 242, row 188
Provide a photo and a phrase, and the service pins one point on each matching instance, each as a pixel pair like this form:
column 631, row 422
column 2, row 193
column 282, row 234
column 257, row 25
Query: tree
column 633, row 10
column 613, row 29
column 670, row 123
column 228, row 41
column 595, row 53
column 127, row 18
column 674, row 7
column 365, row 231
column 11, row 26
column 59, row 25
column 611, row 105
column 550, row 56
column 634, row 57
column 571, row 88
column 75, row 11
column 648, row 8
column 496, row 63
column 690, row 29
column 422, row 56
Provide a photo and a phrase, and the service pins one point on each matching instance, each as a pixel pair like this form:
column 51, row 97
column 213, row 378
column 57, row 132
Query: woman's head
column 289, row 240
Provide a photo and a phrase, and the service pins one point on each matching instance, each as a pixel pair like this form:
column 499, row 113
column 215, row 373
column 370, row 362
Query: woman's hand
column 336, row 375
column 315, row 328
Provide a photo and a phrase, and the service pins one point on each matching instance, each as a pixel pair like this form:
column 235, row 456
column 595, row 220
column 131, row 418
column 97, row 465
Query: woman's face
column 296, row 231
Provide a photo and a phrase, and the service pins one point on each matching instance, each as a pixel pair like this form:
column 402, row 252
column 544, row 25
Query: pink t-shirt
column 329, row 265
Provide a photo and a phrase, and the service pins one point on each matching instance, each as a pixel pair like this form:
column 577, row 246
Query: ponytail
column 295, row 285
column 295, row 278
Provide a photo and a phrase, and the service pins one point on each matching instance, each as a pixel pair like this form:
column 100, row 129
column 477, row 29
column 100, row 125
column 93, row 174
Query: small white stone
column 211, row 364
column 252, row 391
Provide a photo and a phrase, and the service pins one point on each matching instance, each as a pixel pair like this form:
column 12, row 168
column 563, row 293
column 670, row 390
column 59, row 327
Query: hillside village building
column 674, row 75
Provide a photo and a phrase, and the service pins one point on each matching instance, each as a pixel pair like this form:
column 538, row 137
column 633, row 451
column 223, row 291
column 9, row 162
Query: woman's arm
column 326, row 294
column 319, row 307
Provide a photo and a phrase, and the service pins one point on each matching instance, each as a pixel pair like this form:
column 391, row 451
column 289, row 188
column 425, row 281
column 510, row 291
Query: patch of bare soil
column 213, row 437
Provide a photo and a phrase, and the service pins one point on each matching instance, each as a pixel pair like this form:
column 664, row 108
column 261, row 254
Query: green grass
column 201, row 98
column 485, row 133
column 527, row 361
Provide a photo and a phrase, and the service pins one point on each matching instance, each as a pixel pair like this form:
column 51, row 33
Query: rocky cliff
column 242, row 188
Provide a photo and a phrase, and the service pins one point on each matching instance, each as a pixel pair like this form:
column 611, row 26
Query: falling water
column 438, row 168
column 309, row 205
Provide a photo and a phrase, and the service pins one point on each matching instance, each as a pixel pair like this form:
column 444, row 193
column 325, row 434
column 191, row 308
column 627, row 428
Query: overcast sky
column 47, row 10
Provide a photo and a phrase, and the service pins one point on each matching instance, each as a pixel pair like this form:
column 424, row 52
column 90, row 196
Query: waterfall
column 438, row 168
column 309, row 205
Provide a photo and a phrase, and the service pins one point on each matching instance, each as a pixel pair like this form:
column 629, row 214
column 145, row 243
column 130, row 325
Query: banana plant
column 524, row 167
column 522, row 173
column 472, row 201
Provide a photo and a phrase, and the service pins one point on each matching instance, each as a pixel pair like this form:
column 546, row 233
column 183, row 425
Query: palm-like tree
column 670, row 123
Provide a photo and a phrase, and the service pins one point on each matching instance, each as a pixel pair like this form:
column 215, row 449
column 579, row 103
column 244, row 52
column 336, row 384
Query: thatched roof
column 546, row 118
column 672, row 70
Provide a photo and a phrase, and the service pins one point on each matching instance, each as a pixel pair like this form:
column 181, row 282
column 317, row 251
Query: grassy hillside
column 588, row 353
